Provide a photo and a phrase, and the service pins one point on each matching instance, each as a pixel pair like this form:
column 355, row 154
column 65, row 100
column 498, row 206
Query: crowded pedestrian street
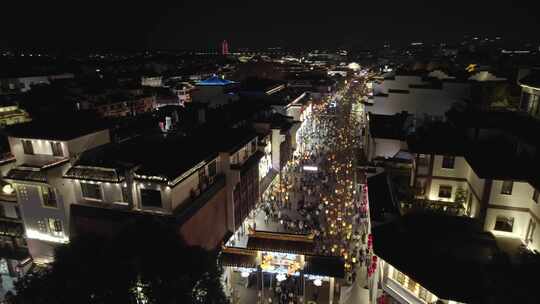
column 320, row 193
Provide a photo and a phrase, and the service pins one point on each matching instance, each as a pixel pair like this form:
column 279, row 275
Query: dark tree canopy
column 146, row 261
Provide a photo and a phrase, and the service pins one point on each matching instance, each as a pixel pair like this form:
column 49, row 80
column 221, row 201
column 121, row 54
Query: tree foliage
column 145, row 261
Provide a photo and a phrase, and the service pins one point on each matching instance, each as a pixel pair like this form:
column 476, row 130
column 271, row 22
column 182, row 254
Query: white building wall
column 386, row 147
column 29, row 195
column 476, row 182
column 86, row 142
column 181, row 192
column 471, row 182
column 521, row 220
column 41, row 148
column 521, row 196
column 435, row 185
column 231, row 179
column 460, row 170
column 111, row 192
column 520, row 199
column 535, row 209
column 277, row 139
column 434, row 102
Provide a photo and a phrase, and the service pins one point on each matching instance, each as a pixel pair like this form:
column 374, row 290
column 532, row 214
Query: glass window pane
column 506, row 187
column 445, row 191
column 151, row 198
column 504, row 223
column 448, row 162
column 91, row 191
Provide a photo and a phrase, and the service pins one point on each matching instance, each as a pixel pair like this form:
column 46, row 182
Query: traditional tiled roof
column 457, row 247
column 94, row 174
column 27, row 175
column 281, row 242
column 214, row 81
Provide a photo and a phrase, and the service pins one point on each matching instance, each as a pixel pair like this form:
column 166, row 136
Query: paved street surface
column 319, row 192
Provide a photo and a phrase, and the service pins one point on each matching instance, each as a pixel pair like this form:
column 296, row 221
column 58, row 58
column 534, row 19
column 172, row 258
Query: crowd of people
column 285, row 292
column 317, row 192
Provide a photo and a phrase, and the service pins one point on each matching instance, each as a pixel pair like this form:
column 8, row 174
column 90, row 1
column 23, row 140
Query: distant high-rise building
column 224, row 47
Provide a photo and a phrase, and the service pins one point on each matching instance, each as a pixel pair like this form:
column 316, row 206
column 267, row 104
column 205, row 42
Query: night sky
column 83, row 24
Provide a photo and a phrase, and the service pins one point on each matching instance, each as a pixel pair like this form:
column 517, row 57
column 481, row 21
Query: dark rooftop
column 259, row 84
column 325, row 266
column 523, row 126
column 447, row 255
column 531, row 80
column 381, row 197
column 66, row 129
column 495, row 158
column 388, row 126
column 438, row 138
column 166, row 155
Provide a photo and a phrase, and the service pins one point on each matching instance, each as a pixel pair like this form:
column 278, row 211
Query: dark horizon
column 203, row 25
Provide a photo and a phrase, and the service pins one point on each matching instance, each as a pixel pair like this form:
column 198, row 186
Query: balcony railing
column 451, row 208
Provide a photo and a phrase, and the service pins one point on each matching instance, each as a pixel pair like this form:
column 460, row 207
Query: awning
column 281, row 242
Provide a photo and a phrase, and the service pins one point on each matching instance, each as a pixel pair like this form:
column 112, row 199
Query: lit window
column 42, row 227
column 49, row 197
column 55, row 227
column 23, row 192
column 448, row 162
column 504, row 223
column 445, row 191
column 91, row 191
column 506, row 187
